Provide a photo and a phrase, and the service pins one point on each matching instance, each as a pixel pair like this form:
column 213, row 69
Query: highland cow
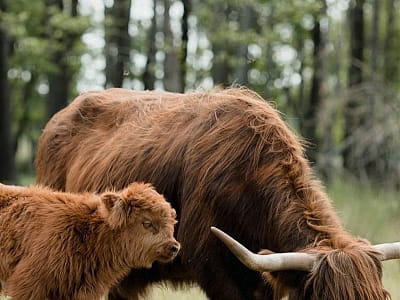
column 65, row 246
column 222, row 158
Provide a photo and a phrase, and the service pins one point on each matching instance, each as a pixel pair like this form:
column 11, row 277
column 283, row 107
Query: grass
column 371, row 213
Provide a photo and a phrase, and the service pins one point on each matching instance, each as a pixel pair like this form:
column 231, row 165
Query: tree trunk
column 390, row 72
column 221, row 68
column 60, row 80
column 187, row 9
column 59, row 85
column 353, row 121
column 7, row 155
column 118, row 42
column 318, row 91
column 374, row 42
column 298, row 106
column 374, row 45
column 356, row 42
column 270, row 63
column 149, row 71
column 24, row 120
column 247, row 20
column 172, row 71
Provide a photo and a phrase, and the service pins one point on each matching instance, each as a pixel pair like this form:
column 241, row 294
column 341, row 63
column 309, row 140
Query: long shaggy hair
column 352, row 272
column 223, row 158
column 56, row 245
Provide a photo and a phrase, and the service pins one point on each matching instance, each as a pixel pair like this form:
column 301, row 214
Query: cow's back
column 107, row 139
column 221, row 158
column 82, row 128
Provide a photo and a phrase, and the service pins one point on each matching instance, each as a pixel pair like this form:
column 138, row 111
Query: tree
column 318, row 90
column 7, row 160
column 118, row 42
column 374, row 40
column 353, row 119
column 247, row 21
column 391, row 69
column 222, row 45
column 175, row 55
column 66, row 22
column 172, row 64
column 148, row 76
column 187, row 9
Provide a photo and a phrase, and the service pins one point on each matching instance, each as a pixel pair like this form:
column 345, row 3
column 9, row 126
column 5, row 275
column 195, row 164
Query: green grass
column 367, row 212
column 373, row 214
column 162, row 292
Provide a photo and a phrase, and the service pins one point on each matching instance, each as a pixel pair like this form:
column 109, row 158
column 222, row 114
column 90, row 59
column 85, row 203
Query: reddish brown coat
column 222, row 158
column 65, row 246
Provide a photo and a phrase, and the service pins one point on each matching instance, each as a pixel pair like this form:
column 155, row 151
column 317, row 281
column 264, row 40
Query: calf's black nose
column 174, row 249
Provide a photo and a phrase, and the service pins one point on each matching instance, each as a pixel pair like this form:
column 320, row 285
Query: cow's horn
column 267, row 263
column 389, row 250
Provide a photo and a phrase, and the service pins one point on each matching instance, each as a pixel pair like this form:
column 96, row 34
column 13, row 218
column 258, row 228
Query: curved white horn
column 389, row 250
column 267, row 263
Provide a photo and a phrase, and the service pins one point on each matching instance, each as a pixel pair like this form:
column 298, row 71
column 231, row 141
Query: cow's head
column 353, row 271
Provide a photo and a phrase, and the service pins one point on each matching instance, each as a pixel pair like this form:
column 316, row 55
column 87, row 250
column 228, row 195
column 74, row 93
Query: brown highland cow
column 222, row 158
column 65, row 246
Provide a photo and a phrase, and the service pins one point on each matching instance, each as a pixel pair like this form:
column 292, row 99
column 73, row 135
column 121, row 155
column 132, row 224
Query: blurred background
column 332, row 67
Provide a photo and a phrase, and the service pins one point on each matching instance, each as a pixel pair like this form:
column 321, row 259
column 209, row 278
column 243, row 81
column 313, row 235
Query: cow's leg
column 136, row 284
column 220, row 282
column 121, row 292
column 230, row 282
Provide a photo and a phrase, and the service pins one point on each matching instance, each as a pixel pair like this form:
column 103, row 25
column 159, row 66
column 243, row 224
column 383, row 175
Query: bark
column 222, row 50
column 270, row 64
column 318, row 91
column 149, row 71
column 298, row 106
column 24, row 120
column 356, row 42
column 353, row 120
column 187, row 9
column 374, row 42
column 390, row 72
column 172, row 66
column 60, row 80
column 374, row 46
column 59, row 85
column 7, row 155
column 118, row 42
column 247, row 21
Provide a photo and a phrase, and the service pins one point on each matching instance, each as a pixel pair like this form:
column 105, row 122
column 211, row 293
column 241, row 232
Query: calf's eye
column 147, row 224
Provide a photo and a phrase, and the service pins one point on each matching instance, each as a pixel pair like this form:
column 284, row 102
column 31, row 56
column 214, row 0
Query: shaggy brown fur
column 222, row 158
column 66, row 246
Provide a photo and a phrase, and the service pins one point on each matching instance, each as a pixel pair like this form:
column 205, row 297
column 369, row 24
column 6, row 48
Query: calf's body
column 66, row 246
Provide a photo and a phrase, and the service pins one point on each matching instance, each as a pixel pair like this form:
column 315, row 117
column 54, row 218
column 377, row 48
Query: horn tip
column 217, row 232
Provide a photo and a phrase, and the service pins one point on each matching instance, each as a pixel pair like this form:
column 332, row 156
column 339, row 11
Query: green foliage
column 36, row 33
column 268, row 43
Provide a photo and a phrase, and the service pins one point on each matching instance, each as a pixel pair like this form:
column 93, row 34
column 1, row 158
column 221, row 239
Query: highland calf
column 65, row 246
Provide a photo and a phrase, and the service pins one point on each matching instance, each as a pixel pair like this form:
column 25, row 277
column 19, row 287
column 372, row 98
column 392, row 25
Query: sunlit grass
column 373, row 214
column 162, row 292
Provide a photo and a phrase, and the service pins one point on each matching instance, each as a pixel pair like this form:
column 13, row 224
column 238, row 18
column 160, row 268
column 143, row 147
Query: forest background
column 332, row 67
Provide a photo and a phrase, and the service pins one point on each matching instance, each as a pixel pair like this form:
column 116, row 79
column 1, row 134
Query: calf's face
column 158, row 241
column 145, row 221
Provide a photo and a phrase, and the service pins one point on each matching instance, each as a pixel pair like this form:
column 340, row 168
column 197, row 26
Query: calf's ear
column 118, row 209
